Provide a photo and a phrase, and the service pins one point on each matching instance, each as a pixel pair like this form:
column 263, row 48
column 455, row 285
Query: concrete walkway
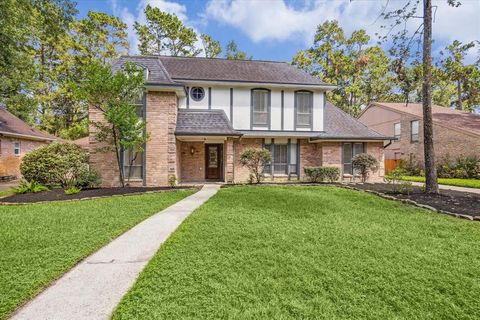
column 93, row 288
column 445, row 187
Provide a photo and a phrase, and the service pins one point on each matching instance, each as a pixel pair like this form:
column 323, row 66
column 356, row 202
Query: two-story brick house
column 456, row 133
column 202, row 113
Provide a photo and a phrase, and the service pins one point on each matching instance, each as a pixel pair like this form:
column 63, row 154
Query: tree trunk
column 119, row 160
column 459, row 92
column 430, row 169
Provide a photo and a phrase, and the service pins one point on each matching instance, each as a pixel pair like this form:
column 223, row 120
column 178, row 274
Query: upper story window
column 414, row 126
column 397, row 130
column 260, row 107
column 197, row 93
column 139, row 104
column 303, row 108
column 16, row 148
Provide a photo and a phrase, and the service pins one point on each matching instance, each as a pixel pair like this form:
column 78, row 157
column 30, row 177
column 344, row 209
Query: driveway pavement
column 445, row 187
column 93, row 288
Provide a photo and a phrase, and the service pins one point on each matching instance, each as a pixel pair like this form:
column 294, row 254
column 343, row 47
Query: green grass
column 469, row 183
column 311, row 253
column 5, row 193
column 39, row 242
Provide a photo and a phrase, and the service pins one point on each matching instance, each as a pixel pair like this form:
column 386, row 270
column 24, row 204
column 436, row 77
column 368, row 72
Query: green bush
column 320, row 174
column 395, row 176
column 72, row 190
column 29, row 187
column 64, row 164
column 89, row 179
column 365, row 164
column 255, row 160
column 411, row 167
column 172, row 181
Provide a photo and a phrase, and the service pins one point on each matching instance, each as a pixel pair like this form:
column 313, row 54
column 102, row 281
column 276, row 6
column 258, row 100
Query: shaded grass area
column 40, row 242
column 310, row 253
column 468, row 183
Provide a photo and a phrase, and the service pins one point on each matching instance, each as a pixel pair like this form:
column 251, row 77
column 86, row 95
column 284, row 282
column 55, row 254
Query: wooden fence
column 391, row 164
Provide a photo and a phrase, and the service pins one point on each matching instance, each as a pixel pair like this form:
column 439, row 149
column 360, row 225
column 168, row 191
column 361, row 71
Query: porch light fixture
column 192, row 150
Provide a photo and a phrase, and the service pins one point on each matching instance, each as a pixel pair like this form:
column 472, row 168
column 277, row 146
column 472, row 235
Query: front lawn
column 39, row 242
column 468, row 183
column 298, row 252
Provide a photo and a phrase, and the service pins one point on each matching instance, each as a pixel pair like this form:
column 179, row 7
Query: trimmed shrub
column 411, row 167
column 320, row 174
column 365, row 164
column 63, row 164
column 255, row 160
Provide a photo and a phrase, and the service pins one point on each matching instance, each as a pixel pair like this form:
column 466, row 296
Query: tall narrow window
column 16, row 148
column 132, row 164
column 139, row 106
column 260, row 107
column 414, row 131
column 350, row 150
column 304, row 107
column 397, row 130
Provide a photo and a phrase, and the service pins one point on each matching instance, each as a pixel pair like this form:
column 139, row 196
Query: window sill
column 134, row 180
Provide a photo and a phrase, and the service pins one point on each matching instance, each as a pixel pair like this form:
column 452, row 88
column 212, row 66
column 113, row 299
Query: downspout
column 388, row 144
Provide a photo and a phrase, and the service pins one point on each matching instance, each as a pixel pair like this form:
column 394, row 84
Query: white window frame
column 17, row 148
column 308, row 94
column 398, row 134
column 414, row 137
column 256, row 113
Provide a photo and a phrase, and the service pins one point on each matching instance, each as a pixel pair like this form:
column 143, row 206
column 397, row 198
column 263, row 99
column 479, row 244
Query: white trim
column 253, row 84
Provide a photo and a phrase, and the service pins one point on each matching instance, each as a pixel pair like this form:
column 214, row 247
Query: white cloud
column 130, row 17
column 274, row 20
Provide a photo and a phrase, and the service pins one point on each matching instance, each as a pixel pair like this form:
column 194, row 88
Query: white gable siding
column 220, row 99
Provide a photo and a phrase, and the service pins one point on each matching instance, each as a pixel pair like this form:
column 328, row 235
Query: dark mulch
column 58, row 194
column 448, row 200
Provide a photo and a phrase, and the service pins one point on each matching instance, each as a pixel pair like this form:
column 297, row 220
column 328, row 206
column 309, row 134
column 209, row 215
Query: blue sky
column 277, row 29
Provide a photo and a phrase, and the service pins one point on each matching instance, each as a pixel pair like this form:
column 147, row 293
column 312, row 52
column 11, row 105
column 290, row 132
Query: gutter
column 26, row 136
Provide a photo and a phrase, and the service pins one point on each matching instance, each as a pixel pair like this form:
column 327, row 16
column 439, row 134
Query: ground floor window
column 132, row 164
column 350, row 150
column 16, row 148
column 284, row 156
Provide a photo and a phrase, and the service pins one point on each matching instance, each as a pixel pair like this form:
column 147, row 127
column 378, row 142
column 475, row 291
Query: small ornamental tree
column 255, row 160
column 365, row 164
column 114, row 95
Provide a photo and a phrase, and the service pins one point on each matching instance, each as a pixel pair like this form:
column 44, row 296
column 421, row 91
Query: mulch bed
column 58, row 194
column 448, row 200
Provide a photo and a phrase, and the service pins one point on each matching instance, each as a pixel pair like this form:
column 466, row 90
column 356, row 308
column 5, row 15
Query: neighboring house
column 82, row 142
column 16, row 139
column 456, row 133
column 202, row 113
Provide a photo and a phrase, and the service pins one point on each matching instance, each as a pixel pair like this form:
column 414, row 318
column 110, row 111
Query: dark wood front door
column 213, row 161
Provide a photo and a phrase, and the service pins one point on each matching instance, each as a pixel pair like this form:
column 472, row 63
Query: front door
column 213, row 161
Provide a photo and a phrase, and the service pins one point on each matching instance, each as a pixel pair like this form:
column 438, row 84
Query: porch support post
column 229, row 166
column 289, row 146
column 272, row 148
column 298, row 158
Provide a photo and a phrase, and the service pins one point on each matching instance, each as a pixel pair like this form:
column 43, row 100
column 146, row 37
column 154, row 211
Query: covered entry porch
column 204, row 144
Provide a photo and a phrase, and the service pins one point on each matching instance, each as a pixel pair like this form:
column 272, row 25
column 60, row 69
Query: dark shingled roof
column 185, row 68
column 10, row 124
column 456, row 119
column 340, row 125
column 156, row 72
column 204, row 122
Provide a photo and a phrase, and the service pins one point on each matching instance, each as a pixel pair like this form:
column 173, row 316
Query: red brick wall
column 161, row 117
column 104, row 162
column 310, row 155
column 161, row 149
column 192, row 167
column 9, row 162
column 241, row 174
column 229, row 159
